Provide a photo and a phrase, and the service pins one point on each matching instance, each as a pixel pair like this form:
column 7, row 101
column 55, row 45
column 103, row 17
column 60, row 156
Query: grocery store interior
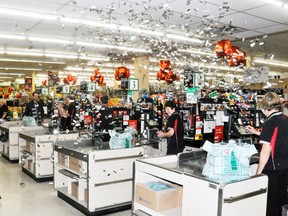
column 83, row 88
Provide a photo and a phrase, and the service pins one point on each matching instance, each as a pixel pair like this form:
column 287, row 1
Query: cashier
column 174, row 130
column 3, row 109
column 273, row 159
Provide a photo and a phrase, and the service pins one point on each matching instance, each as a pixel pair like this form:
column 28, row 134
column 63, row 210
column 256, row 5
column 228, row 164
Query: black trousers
column 277, row 191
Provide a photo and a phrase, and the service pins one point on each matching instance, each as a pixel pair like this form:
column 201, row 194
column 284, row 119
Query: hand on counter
column 160, row 134
column 252, row 130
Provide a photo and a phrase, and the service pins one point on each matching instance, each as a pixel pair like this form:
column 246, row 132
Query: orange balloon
column 164, row 64
column 101, row 79
column 223, row 48
column 92, row 78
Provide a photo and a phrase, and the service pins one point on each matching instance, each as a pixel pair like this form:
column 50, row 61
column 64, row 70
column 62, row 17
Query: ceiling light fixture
column 15, row 68
column 74, row 20
column 268, row 62
column 31, row 61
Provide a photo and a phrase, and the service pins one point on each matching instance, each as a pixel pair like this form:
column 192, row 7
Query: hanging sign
column 91, row 87
column 66, row 89
column 44, row 91
column 133, row 84
column 191, row 95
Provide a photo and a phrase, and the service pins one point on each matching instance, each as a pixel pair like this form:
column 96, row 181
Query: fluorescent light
column 12, row 37
column 123, row 28
column 12, row 74
column 50, row 40
column 197, row 52
column 275, row 63
column 28, row 14
column 24, row 53
column 29, row 60
column 184, row 38
column 16, row 68
column 60, row 56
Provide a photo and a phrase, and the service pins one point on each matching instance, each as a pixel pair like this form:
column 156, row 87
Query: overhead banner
column 256, row 75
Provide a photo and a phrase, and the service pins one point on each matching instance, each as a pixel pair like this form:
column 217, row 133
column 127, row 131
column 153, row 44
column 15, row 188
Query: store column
column 33, row 81
column 141, row 72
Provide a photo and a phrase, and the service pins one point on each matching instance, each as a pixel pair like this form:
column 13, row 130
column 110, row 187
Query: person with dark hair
column 106, row 114
column 35, row 108
column 3, row 109
column 174, row 130
column 273, row 160
column 70, row 107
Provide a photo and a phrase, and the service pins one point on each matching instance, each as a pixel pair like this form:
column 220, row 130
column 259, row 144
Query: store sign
column 44, row 91
column 66, row 89
column 91, row 87
column 133, row 84
column 191, row 95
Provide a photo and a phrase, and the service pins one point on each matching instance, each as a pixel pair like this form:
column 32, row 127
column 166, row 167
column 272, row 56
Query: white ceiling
column 257, row 27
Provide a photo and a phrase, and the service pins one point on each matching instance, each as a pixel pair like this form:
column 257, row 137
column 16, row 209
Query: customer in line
column 174, row 130
column 273, row 159
column 35, row 108
column 3, row 109
column 70, row 107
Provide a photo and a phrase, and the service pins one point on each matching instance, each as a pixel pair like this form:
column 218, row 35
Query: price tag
column 66, row 89
column 133, row 84
column 44, row 91
column 91, row 87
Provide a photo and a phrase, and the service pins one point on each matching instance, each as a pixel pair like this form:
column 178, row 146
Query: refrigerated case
column 201, row 196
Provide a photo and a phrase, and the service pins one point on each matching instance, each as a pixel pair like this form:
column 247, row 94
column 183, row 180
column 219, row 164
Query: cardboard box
column 158, row 200
column 75, row 164
column 30, row 146
column 31, row 166
column 74, row 189
column 86, row 195
column 62, row 159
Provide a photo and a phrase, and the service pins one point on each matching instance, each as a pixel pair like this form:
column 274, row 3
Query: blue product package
column 159, row 186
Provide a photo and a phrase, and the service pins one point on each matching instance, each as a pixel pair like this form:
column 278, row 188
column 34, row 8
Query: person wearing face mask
column 35, row 108
column 174, row 130
column 273, row 160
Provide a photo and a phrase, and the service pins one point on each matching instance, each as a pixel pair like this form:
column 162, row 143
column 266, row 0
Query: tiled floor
column 22, row 196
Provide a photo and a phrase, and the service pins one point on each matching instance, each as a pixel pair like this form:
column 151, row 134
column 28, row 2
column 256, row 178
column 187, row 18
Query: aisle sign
column 191, row 95
column 44, row 91
column 66, row 89
column 91, row 87
column 133, row 84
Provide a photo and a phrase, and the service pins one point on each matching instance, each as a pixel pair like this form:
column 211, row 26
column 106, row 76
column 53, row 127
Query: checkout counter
column 94, row 178
column 199, row 195
column 36, row 150
column 11, row 129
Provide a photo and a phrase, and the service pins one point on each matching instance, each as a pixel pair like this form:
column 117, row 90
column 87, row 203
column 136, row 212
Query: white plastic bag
column 228, row 161
column 119, row 140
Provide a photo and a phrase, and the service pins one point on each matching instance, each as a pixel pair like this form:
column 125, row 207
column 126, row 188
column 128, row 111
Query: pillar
column 33, row 81
column 141, row 72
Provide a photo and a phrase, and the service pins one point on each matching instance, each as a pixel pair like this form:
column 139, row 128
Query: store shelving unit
column 35, row 151
column 11, row 147
column 201, row 196
column 93, row 178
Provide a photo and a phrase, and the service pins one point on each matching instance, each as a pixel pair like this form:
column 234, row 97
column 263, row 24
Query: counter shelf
column 90, row 176
column 201, row 196
column 35, row 151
